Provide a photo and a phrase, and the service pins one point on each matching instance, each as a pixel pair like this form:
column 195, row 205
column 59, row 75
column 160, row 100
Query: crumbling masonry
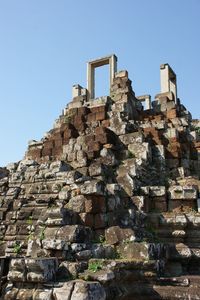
column 106, row 205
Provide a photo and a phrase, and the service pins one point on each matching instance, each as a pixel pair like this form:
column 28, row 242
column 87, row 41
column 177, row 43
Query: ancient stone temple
column 106, row 205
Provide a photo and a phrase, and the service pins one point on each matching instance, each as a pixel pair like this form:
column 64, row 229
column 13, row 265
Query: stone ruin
column 106, row 205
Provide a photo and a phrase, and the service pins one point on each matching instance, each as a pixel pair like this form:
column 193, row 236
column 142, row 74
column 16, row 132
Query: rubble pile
column 106, row 205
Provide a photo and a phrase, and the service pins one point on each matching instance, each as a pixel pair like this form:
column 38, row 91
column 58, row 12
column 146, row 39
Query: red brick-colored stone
column 58, row 142
column 95, row 204
column 100, row 130
column 94, row 146
column 171, row 114
column 87, row 219
column 100, row 221
column 98, row 109
column 100, row 116
column 83, row 111
column 46, row 151
column 89, row 138
column 79, row 122
column 91, row 117
column 102, row 138
column 106, row 123
column 57, row 151
column 34, row 153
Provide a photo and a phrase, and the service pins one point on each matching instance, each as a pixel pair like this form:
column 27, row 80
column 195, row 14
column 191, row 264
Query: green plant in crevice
column 2, row 241
column 116, row 255
column 130, row 154
column 102, row 239
column 30, row 235
column 95, row 266
column 30, row 228
column 30, row 220
column 17, row 248
column 99, row 240
column 68, row 119
column 127, row 241
column 197, row 129
column 42, row 234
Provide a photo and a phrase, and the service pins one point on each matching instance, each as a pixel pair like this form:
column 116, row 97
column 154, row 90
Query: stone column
column 168, row 80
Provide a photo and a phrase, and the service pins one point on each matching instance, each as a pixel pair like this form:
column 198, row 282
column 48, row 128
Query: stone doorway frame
column 110, row 60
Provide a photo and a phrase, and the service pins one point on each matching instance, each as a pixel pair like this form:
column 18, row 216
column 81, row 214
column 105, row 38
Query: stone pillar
column 76, row 90
column 90, row 81
column 168, row 80
column 113, row 67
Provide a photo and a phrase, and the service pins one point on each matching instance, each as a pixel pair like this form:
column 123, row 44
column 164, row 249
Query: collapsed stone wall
column 106, row 205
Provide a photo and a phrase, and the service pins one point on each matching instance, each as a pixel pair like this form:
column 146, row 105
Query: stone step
column 173, row 281
column 32, row 269
column 167, row 235
column 182, row 252
column 192, row 291
column 173, row 288
column 75, row 289
column 175, row 220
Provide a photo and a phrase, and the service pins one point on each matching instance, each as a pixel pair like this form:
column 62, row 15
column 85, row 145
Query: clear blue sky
column 45, row 44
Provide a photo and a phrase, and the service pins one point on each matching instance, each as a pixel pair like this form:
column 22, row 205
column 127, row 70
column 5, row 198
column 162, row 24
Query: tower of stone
column 106, row 205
